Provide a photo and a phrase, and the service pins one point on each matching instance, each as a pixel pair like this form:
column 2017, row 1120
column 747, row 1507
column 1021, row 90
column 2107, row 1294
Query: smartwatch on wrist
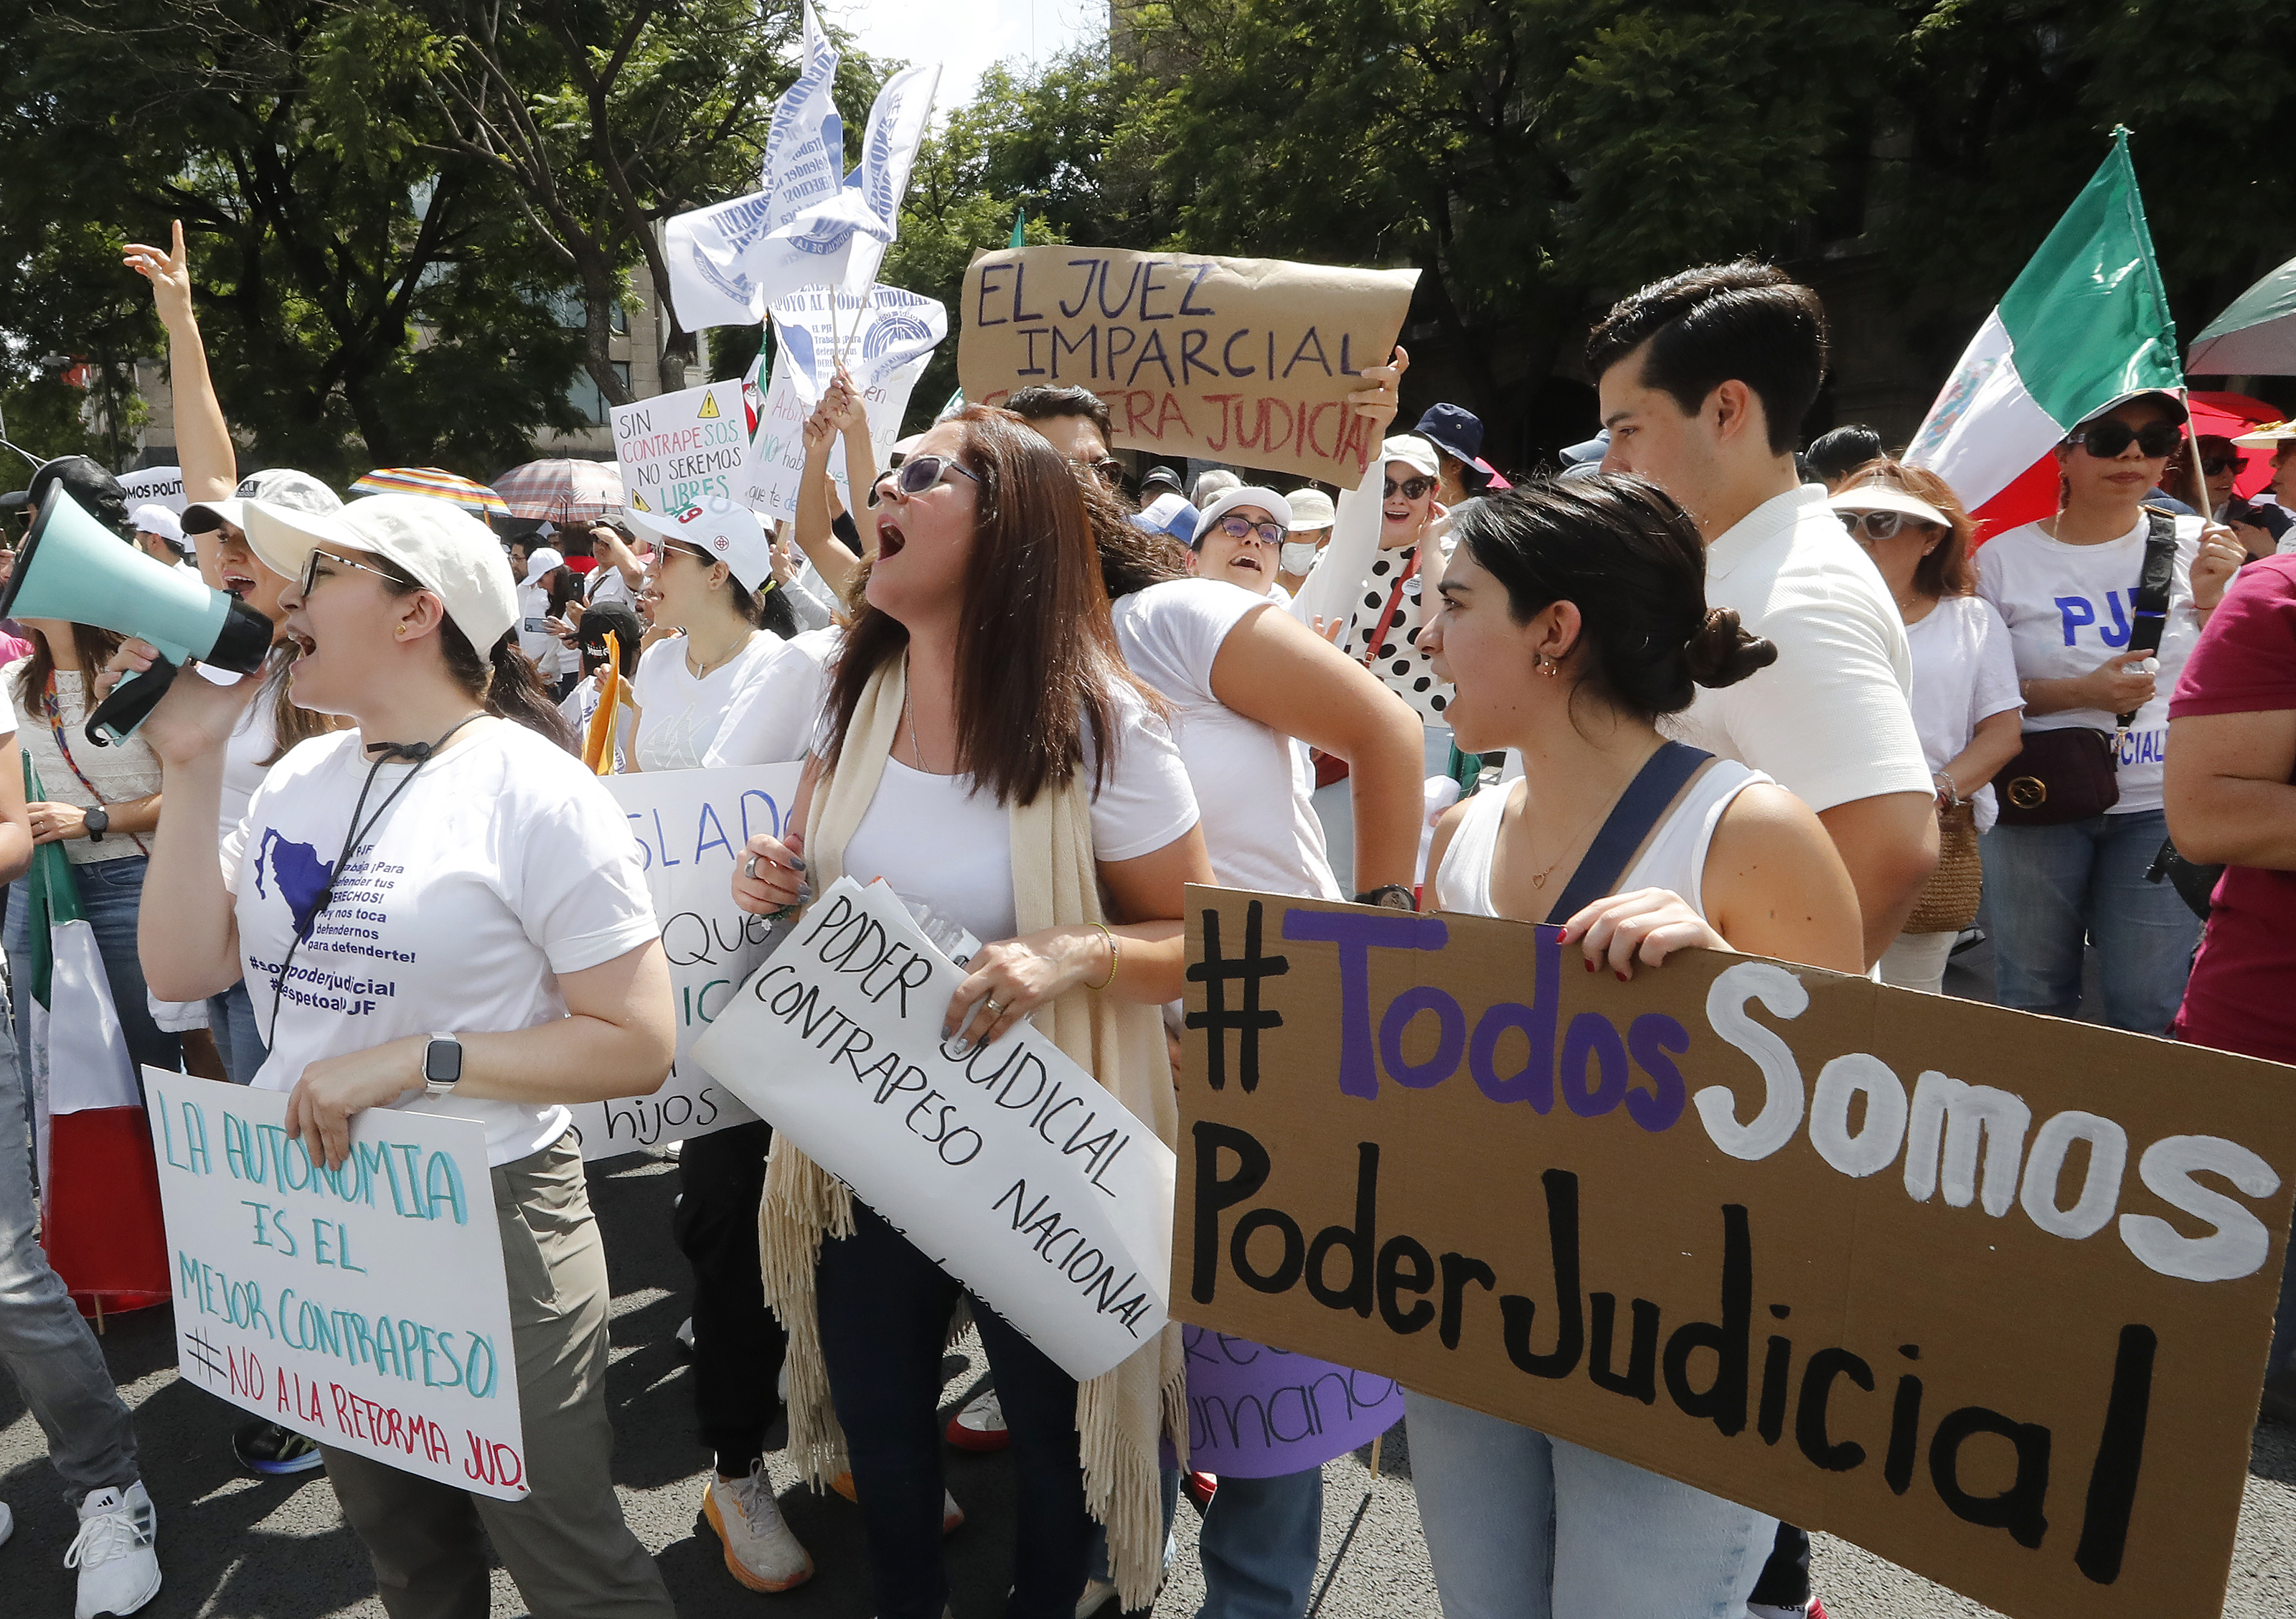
column 442, row 1064
column 1392, row 896
column 98, row 821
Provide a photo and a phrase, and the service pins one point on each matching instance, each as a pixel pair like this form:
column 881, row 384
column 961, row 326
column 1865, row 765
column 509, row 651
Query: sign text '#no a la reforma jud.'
column 363, row 1306
column 1247, row 361
column 1986, row 1293
column 690, row 826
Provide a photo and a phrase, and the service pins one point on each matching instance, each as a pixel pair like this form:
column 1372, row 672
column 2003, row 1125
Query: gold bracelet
column 1111, row 937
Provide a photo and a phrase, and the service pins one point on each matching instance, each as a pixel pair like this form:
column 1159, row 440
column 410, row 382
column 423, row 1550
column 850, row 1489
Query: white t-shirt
column 678, row 716
column 774, row 716
column 1831, row 720
column 606, row 584
column 2067, row 609
column 1964, row 674
column 935, row 839
column 501, row 866
column 1252, row 786
column 552, row 657
column 123, row 772
column 250, row 744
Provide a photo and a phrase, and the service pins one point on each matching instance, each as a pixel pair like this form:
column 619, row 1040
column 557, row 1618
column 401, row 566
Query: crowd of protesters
column 1040, row 695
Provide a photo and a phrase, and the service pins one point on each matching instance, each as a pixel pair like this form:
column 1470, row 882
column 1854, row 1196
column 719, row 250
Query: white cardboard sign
column 1012, row 1168
column 690, row 826
column 683, row 449
column 776, row 413
column 162, row 485
column 365, row 1306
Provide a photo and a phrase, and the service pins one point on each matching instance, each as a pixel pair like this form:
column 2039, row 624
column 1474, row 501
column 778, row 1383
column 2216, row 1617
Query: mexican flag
column 99, row 1218
column 2085, row 323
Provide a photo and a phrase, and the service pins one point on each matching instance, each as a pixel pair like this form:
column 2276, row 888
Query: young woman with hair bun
column 1574, row 619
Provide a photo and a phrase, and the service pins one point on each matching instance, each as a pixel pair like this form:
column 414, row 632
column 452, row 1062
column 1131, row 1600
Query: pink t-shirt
column 2242, row 995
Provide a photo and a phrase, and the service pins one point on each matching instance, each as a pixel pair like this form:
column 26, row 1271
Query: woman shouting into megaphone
column 507, row 965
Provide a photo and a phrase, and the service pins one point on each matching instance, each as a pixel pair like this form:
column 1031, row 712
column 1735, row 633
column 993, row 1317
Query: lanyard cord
column 56, row 728
column 421, row 753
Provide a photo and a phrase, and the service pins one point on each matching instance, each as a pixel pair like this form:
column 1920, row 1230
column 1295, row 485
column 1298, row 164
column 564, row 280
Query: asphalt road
column 234, row 1546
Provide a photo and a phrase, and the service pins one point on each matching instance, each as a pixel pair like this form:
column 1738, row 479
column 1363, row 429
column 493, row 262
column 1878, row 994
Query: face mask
column 1298, row 556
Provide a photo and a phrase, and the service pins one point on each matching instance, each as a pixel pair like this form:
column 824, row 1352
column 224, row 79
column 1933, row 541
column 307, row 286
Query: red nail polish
column 1623, row 978
column 1590, row 966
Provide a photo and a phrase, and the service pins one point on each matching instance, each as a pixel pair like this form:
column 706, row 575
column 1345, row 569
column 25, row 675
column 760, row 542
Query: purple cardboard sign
column 1257, row 1412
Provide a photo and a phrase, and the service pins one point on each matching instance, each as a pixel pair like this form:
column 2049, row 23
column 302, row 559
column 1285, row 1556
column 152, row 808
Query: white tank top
column 1673, row 857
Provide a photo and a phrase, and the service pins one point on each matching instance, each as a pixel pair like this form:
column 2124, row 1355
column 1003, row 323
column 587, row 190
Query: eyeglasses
column 2217, row 466
column 1107, row 467
column 1412, row 488
column 2109, row 438
column 1244, row 531
column 1879, row 525
column 917, row 474
column 310, row 579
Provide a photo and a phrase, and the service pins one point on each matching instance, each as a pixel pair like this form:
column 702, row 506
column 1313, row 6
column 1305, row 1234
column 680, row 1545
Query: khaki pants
column 565, row 1544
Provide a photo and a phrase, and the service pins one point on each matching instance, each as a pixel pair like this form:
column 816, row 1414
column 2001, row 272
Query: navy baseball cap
column 1458, row 432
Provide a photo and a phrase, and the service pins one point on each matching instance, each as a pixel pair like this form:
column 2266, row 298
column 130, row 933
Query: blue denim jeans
column 111, row 893
column 238, row 1033
column 1520, row 1526
column 44, row 1343
column 2051, row 892
column 1259, row 1543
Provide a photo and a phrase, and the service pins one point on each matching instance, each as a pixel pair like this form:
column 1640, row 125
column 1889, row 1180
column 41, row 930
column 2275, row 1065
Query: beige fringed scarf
column 1120, row 1414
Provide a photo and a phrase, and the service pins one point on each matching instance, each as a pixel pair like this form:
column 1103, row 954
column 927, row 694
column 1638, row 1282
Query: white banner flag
column 363, row 1306
column 888, row 151
column 1009, row 1166
column 690, row 827
column 875, row 336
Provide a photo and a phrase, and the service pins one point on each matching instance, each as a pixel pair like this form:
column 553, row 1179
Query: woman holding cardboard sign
column 487, row 880
column 1573, row 618
column 985, row 749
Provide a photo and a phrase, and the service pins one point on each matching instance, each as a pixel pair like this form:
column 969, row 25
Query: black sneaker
column 269, row 1449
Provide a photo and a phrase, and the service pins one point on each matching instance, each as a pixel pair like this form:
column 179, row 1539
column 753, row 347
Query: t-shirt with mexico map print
column 504, row 864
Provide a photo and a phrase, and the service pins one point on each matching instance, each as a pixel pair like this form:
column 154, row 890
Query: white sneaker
column 979, row 1426
column 1097, row 1595
column 760, row 1550
column 7, row 1523
column 116, row 1551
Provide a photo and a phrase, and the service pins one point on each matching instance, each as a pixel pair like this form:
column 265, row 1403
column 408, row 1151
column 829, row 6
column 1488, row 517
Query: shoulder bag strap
column 1648, row 797
column 1394, row 602
column 56, row 729
column 2148, row 599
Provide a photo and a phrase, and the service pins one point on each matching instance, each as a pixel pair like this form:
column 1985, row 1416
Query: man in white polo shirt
column 1704, row 379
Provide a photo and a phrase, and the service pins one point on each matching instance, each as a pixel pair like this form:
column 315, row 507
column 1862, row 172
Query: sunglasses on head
column 1878, row 525
column 2217, row 466
column 1244, row 529
column 917, row 474
column 1412, row 488
column 2109, row 438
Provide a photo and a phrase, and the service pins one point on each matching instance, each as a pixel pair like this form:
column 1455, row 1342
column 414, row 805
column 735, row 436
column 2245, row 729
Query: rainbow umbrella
column 563, row 492
column 475, row 498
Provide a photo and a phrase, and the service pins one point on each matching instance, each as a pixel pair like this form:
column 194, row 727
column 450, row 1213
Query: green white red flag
column 2085, row 323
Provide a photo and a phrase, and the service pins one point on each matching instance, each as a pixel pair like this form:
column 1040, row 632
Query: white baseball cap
column 281, row 486
column 540, row 560
column 437, row 544
column 731, row 535
column 152, row 518
column 1249, row 494
column 1414, row 452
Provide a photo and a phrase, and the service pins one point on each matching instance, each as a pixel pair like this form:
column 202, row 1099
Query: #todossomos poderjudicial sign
column 1986, row 1293
column 1247, row 361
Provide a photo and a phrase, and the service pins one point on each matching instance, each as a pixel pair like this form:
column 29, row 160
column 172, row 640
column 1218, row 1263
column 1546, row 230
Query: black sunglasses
column 1412, row 488
column 2109, row 438
column 917, row 474
column 2217, row 466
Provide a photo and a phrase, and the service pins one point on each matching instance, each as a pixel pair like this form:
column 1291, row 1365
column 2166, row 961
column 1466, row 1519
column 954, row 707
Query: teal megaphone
column 71, row 567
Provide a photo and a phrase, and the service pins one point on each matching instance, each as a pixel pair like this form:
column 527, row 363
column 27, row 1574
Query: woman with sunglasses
column 985, row 750
column 1240, row 539
column 1966, row 702
column 2056, row 889
column 713, row 570
column 518, row 922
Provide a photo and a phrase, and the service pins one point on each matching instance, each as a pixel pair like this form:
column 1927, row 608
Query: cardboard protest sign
column 1257, row 1412
column 363, row 1306
column 1243, row 360
column 163, row 485
column 776, row 413
column 682, row 449
column 1008, row 1165
column 817, row 327
column 1986, row 1293
column 690, row 827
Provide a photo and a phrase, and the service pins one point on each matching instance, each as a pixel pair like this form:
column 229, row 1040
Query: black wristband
column 1391, row 896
